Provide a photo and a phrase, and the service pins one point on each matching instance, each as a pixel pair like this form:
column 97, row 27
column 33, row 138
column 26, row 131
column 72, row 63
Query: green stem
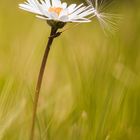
column 40, row 77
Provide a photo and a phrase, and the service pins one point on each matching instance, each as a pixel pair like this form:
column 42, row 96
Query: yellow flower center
column 57, row 10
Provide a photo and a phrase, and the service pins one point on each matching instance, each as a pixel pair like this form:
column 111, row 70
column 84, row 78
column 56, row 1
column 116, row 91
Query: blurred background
column 91, row 86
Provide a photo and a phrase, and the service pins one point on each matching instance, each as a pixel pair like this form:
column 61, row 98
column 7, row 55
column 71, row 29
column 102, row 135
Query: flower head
column 55, row 10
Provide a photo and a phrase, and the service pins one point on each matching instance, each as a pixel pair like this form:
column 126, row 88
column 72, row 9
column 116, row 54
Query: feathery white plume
column 107, row 20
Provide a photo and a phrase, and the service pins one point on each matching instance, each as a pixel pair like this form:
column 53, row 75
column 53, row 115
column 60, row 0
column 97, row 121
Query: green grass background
column 91, row 86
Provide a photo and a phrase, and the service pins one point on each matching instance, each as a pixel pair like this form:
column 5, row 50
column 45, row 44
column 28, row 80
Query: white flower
column 57, row 11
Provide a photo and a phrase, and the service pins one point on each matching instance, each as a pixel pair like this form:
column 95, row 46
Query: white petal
column 29, row 8
column 53, row 15
column 63, row 13
column 56, row 3
column 76, row 8
column 48, row 3
column 64, row 5
column 81, row 21
column 64, row 18
column 41, row 17
column 36, row 5
column 71, row 8
column 78, row 11
column 81, row 12
column 33, row 3
column 44, row 4
column 84, row 14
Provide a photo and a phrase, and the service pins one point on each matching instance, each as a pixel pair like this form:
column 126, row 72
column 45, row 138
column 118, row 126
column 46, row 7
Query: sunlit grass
column 91, row 85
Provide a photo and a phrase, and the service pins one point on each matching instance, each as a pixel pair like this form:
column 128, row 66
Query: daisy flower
column 55, row 10
column 57, row 14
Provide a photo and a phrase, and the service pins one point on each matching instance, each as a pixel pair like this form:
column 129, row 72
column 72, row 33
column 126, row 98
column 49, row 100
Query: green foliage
column 91, row 84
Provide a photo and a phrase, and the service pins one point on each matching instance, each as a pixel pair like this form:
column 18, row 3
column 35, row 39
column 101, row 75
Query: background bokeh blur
column 91, row 86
